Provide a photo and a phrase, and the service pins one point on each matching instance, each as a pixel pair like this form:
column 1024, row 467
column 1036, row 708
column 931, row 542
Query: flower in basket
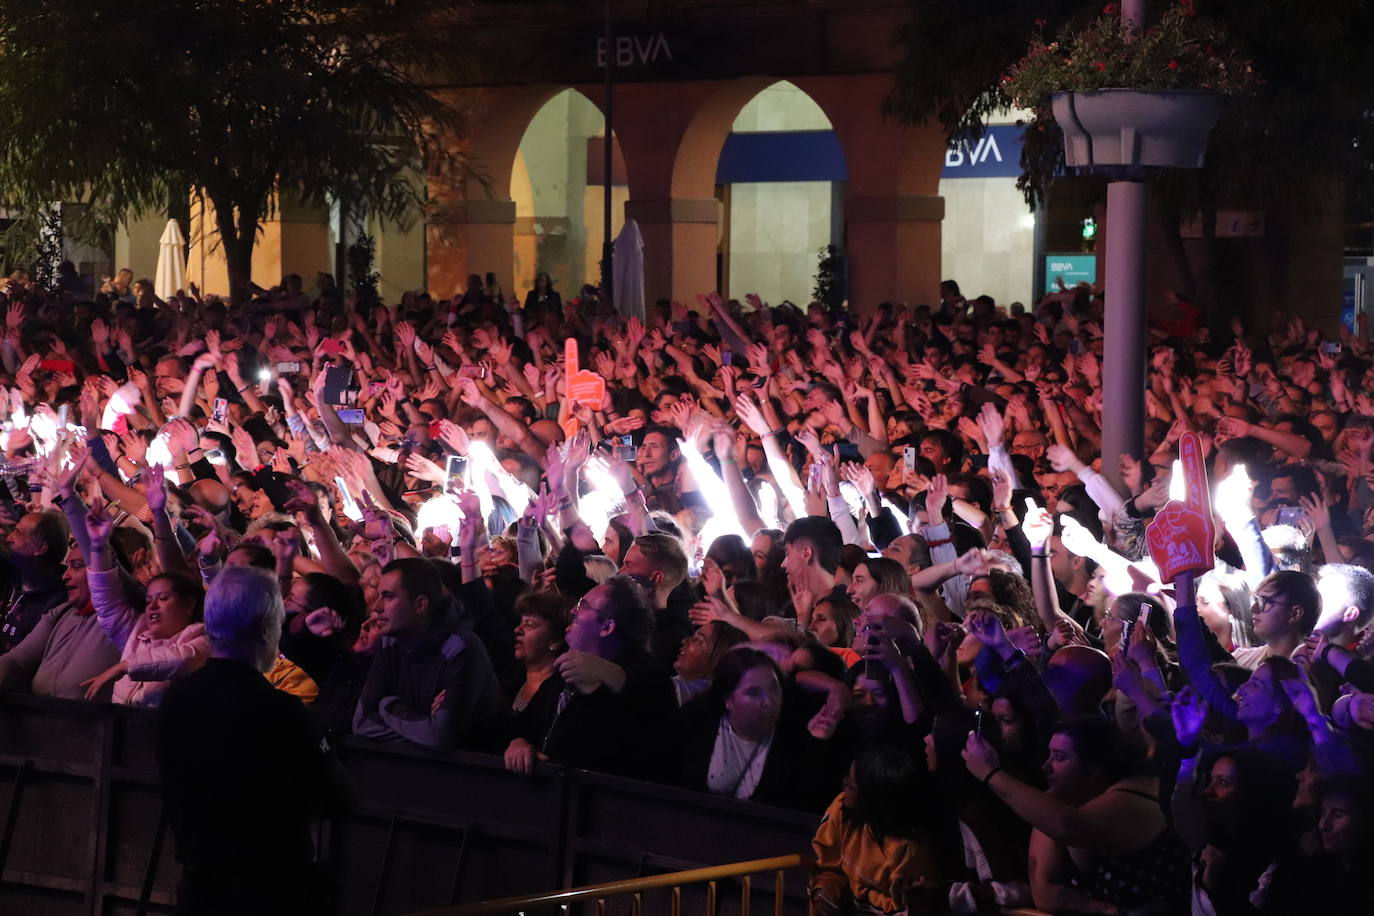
column 1178, row 51
column 1181, row 51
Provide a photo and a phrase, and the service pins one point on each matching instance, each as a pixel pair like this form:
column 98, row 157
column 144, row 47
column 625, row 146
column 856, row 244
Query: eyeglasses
column 1264, row 602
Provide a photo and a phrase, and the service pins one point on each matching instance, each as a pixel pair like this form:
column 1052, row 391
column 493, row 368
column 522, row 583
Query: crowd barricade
column 81, row 830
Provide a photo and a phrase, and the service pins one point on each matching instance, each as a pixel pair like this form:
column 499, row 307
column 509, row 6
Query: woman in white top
column 160, row 644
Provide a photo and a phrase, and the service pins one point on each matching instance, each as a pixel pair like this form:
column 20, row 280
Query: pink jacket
column 153, row 663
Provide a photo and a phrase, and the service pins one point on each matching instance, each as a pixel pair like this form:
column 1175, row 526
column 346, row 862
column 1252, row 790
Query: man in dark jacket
column 616, row 697
column 244, row 773
column 432, row 683
column 32, row 577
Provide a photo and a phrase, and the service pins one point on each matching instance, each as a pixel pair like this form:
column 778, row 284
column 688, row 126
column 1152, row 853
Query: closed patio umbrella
column 171, row 262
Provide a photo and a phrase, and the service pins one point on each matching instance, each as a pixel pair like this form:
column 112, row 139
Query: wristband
column 1041, row 554
column 771, row 432
column 1001, row 509
column 1323, row 654
column 939, row 543
column 988, row 778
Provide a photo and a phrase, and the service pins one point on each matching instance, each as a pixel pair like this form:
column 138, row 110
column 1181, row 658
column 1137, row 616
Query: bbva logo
column 962, row 153
column 632, row 50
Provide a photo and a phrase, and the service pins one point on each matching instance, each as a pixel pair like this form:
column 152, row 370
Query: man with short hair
column 36, row 548
column 1347, row 602
column 811, row 555
column 432, row 683
column 245, row 776
column 660, row 465
column 657, row 562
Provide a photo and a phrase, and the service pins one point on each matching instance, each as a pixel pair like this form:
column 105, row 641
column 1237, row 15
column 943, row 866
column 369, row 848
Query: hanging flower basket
column 1135, row 128
column 1125, row 104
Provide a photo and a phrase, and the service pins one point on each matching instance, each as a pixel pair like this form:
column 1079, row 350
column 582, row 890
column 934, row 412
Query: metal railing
column 635, row 888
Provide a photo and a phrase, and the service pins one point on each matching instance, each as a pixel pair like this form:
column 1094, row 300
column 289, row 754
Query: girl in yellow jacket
column 881, row 837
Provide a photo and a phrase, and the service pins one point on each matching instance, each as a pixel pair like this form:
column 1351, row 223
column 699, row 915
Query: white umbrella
column 629, row 271
column 171, row 262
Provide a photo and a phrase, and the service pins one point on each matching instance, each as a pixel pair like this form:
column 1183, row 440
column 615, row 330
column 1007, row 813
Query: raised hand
column 1063, row 459
column 421, row 467
column 1037, row 525
column 1001, row 488
column 154, row 486
column 993, row 425
column 454, row 436
column 1189, row 712
column 751, row 416
column 324, row 622
column 99, row 525
column 937, row 495
column 987, row 629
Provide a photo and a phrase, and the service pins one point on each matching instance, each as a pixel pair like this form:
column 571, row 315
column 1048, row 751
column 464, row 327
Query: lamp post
column 608, row 163
column 1126, row 335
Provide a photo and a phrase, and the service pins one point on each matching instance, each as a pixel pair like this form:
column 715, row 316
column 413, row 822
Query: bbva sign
column 633, row 50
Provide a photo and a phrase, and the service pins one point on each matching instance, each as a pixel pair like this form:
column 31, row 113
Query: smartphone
column 350, row 505
column 1330, row 347
column 1291, row 515
column 285, row 368
column 456, row 469
column 472, row 371
column 977, row 721
column 337, row 381
column 374, row 387
column 220, row 414
column 726, row 357
column 62, row 417
column 1075, row 346
column 873, row 669
column 626, row 449
column 333, row 346
column 1127, row 627
column 909, row 458
column 353, row 416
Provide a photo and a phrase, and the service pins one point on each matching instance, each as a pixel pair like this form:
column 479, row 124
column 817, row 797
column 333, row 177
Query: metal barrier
column 636, row 887
column 83, row 832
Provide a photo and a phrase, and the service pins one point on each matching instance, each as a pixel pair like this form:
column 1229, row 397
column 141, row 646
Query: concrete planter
column 1113, row 129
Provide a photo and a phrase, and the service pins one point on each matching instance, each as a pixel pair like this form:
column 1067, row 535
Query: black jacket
column 802, row 772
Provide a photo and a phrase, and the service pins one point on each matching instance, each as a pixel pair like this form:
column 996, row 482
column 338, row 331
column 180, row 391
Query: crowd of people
column 866, row 565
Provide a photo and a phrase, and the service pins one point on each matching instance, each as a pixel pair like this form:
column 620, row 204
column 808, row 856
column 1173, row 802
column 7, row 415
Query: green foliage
column 829, row 289
column 1305, row 127
column 361, row 276
column 120, row 103
column 1179, row 51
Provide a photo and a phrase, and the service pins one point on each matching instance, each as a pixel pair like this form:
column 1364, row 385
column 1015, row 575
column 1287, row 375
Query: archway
column 558, row 186
column 781, row 175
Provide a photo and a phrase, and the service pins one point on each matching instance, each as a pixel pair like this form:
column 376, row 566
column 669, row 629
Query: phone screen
column 456, row 468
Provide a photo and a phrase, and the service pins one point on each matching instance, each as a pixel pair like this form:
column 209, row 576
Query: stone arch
column 698, row 153
column 474, row 220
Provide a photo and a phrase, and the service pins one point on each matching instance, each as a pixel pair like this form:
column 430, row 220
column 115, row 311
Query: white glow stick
column 713, row 490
